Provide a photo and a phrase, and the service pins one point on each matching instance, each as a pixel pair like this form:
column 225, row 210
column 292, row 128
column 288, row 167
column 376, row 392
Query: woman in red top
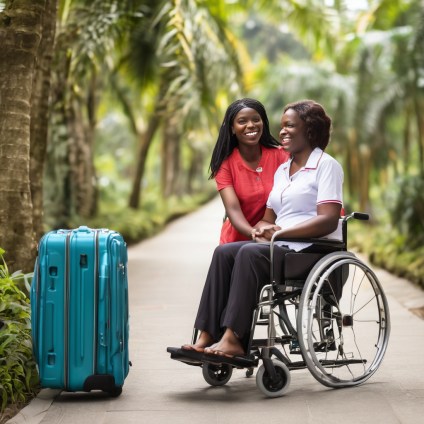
column 243, row 164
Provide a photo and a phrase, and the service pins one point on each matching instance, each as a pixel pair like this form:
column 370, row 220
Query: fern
column 18, row 374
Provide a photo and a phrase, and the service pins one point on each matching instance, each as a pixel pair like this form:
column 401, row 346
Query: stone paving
column 166, row 275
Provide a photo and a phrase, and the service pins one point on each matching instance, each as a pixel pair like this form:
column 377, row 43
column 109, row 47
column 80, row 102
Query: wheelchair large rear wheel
column 343, row 323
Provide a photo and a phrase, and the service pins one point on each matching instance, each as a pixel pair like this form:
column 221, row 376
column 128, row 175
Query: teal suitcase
column 79, row 305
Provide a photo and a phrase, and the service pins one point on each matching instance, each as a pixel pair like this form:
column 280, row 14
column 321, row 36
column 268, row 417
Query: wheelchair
column 333, row 314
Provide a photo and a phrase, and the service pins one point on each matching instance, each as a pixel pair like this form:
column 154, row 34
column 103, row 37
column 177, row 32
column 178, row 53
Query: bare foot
column 205, row 340
column 229, row 345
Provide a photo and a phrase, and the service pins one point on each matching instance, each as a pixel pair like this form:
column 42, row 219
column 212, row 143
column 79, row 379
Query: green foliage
column 407, row 213
column 18, row 374
column 388, row 249
column 135, row 225
column 183, row 62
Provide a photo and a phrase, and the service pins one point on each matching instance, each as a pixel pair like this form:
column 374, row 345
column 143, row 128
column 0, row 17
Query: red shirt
column 252, row 187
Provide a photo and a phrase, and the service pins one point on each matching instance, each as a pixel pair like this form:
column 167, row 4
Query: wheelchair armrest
column 317, row 241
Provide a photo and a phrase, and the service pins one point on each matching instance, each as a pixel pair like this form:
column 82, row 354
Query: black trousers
column 236, row 276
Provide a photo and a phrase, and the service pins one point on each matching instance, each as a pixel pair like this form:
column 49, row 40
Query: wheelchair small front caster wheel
column 115, row 392
column 249, row 372
column 265, row 385
column 217, row 375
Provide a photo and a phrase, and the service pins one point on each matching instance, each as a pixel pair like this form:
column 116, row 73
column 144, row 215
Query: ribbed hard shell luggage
column 79, row 303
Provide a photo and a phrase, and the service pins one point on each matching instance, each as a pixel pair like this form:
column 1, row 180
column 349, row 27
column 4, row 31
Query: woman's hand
column 264, row 233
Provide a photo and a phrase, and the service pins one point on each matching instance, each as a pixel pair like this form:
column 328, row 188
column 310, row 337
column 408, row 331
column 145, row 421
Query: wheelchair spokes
column 351, row 325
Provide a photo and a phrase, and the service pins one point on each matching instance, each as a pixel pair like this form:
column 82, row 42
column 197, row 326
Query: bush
column 18, row 374
column 396, row 240
column 135, row 225
column 407, row 211
column 387, row 248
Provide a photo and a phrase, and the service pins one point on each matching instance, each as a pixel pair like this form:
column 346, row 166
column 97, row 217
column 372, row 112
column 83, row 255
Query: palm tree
column 195, row 57
column 40, row 114
column 90, row 34
column 404, row 31
column 318, row 26
column 20, row 34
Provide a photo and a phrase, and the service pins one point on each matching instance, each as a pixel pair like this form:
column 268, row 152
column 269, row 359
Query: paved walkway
column 166, row 279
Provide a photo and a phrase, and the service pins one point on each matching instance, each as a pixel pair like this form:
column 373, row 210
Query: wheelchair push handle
column 359, row 216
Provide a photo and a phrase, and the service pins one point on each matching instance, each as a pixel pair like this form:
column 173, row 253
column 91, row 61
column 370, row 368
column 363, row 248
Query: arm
column 268, row 219
column 324, row 223
column 234, row 212
column 265, row 226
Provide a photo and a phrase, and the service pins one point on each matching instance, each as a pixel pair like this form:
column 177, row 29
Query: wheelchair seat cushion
column 297, row 266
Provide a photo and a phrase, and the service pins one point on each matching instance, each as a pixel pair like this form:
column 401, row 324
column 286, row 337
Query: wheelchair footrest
column 298, row 365
column 191, row 357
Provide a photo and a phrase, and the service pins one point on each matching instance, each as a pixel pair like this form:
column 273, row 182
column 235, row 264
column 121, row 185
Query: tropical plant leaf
column 6, row 342
column 4, row 398
column 17, row 366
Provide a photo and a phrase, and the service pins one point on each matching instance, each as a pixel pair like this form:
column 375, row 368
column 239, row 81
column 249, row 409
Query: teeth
column 253, row 133
column 286, row 139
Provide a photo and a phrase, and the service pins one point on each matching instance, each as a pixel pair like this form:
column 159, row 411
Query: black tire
column 249, row 372
column 217, row 375
column 366, row 353
column 115, row 392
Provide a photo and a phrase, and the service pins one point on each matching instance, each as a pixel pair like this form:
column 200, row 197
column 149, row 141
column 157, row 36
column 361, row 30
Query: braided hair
column 227, row 141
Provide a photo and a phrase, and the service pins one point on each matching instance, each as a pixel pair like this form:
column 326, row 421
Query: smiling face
column 247, row 126
column 293, row 135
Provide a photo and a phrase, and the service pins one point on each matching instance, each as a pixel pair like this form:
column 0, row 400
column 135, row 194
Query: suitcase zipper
column 37, row 313
column 66, row 310
column 96, row 284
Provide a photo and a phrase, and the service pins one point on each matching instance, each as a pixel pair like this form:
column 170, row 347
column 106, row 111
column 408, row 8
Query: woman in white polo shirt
column 305, row 202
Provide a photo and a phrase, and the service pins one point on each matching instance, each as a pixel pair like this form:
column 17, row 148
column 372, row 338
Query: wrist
column 249, row 234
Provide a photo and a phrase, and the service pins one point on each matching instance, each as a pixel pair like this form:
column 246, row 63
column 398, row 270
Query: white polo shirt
column 294, row 199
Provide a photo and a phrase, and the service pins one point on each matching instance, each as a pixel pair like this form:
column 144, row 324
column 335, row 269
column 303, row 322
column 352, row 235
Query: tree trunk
column 170, row 158
column 354, row 176
column 145, row 140
column 407, row 139
column 40, row 114
column 58, row 204
column 176, row 186
column 92, row 104
column 20, row 34
column 195, row 168
column 366, row 164
column 81, row 175
column 420, row 130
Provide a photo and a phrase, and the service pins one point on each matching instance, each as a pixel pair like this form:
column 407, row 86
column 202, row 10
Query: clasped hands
column 264, row 233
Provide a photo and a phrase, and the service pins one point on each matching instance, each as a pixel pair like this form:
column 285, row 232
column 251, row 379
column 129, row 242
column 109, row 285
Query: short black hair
column 227, row 141
column 318, row 123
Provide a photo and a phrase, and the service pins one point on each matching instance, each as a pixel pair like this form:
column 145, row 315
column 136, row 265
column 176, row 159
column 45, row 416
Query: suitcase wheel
column 115, row 392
